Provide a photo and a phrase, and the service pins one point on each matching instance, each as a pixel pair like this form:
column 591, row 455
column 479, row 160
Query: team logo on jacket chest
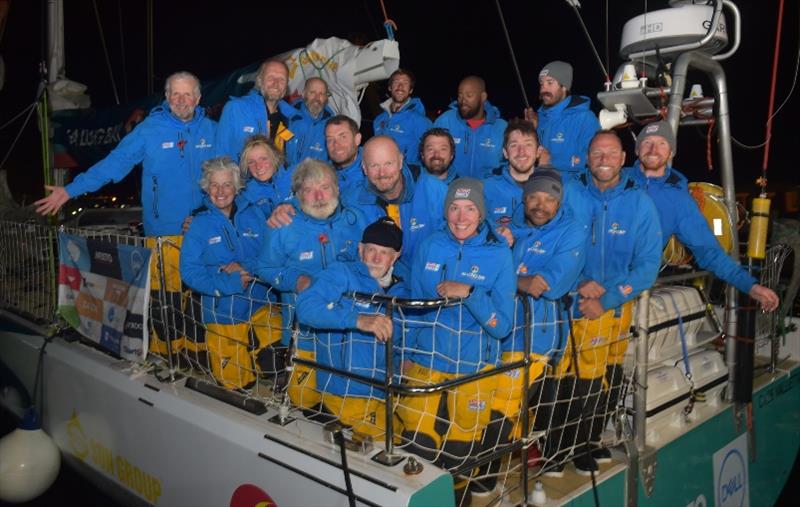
column 414, row 225
column 203, row 144
column 474, row 273
column 397, row 129
column 488, row 143
column 250, row 234
column 558, row 138
column 536, row 248
column 615, row 229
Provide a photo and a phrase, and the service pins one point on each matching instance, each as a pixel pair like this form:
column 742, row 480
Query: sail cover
column 82, row 137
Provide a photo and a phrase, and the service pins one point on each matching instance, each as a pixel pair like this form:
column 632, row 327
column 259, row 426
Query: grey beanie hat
column 544, row 179
column 470, row 189
column 659, row 128
column 560, row 71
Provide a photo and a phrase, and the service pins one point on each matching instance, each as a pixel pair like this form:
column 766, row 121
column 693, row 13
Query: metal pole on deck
column 526, row 346
column 713, row 68
column 388, row 457
column 640, row 372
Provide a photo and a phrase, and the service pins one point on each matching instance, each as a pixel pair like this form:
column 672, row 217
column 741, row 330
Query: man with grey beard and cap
column 564, row 122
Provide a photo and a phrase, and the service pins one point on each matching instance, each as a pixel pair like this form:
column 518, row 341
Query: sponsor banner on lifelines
column 104, row 293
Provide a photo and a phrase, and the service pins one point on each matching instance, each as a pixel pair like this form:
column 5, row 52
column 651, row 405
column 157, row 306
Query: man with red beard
column 679, row 215
column 477, row 129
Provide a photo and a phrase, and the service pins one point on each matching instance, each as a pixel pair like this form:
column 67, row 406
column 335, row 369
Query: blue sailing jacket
column 214, row 240
column 309, row 132
column 477, row 151
column 305, row 247
column 350, row 177
column 421, row 211
column 557, row 252
column 565, row 130
column 623, row 250
column 679, row 215
column 171, row 153
column 464, row 338
column 246, row 116
column 264, row 194
column 329, row 309
column 406, row 127
column 504, row 197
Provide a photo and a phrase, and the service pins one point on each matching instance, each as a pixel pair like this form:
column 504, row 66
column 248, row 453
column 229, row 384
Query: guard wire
column 566, row 301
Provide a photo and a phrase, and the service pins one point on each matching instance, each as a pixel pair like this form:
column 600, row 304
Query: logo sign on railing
column 103, row 292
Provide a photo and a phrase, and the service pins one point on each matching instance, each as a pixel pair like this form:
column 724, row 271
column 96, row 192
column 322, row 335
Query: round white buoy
column 29, row 461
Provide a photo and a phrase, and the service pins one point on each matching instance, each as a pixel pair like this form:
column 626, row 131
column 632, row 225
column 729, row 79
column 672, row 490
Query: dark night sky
column 440, row 41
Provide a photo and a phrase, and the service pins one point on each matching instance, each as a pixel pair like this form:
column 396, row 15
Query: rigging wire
column 513, row 56
column 9, row 122
column 775, row 59
column 589, row 39
column 30, row 109
column 608, row 53
column 779, row 108
column 105, row 51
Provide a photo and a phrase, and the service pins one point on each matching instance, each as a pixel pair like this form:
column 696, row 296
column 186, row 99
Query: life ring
column 710, row 200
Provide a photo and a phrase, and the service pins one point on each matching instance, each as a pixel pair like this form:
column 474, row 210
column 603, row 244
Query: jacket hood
column 208, row 205
column 520, row 222
column 484, row 235
column 163, row 114
column 625, row 183
column 492, row 113
column 300, row 111
column 413, row 105
column 369, row 193
column 671, row 177
column 569, row 105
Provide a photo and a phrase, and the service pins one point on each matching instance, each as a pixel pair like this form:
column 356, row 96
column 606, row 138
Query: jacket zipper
column 155, row 196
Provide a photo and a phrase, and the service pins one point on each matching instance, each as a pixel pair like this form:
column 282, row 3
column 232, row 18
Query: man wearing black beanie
column 350, row 334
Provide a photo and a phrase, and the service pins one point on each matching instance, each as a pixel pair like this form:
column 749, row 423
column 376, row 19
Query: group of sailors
column 292, row 209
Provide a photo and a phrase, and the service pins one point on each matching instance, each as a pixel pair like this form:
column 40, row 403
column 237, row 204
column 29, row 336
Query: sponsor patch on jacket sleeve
column 492, row 321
